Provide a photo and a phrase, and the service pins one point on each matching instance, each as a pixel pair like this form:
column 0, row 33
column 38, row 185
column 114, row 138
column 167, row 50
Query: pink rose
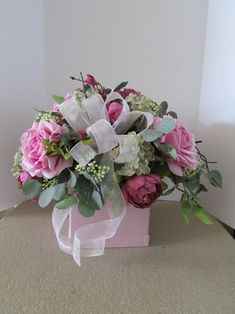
column 127, row 91
column 184, row 144
column 35, row 159
column 55, row 107
column 23, row 178
column 114, row 109
column 90, row 80
column 142, row 191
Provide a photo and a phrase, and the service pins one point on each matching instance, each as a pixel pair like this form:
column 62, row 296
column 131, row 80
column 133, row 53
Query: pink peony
column 23, row 178
column 55, row 107
column 83, row 134
column 114, row 109
column 127, row 91
column 90, row 80
column 184, row 144
column 35, row 159
column 142, row 191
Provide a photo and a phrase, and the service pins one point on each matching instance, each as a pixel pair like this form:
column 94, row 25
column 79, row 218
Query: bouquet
column 61, row 157
column 99, row 145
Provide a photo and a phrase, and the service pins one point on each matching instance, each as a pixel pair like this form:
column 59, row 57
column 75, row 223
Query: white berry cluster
column 96, row 171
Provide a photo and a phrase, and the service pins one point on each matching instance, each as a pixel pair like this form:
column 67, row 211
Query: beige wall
column 217, row 105
column 21, row 81
column 157, row 45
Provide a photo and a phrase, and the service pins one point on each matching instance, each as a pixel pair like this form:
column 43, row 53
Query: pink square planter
column 132, row 232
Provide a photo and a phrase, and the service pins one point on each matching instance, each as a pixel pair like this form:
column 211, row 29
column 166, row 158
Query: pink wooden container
column 132, row 232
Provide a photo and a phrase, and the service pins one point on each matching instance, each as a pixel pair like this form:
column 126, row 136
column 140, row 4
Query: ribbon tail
column 89, row 240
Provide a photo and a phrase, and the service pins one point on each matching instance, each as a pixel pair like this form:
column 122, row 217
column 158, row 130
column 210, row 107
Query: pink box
column 132, row 232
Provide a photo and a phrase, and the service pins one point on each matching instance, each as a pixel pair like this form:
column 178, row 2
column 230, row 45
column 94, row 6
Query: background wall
column 21, row 81
column 217, row 105
column 158, row 45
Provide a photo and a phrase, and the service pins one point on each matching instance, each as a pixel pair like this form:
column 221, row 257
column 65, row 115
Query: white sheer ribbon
column 89, row 240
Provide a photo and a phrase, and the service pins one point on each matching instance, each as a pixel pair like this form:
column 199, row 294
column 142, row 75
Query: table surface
column 187, row 269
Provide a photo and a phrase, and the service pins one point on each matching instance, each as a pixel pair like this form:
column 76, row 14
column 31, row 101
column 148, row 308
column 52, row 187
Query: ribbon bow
column 91, row 114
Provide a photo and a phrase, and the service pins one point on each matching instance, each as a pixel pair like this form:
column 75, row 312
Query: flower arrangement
column 97, row 134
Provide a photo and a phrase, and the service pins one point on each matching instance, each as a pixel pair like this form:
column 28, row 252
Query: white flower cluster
column 96, row 171
column 142, row 103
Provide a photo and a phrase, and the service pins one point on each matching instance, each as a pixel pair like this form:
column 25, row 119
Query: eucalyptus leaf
column 97, row 198
column 215, row 178
column 58, row 99
column 73, row 179
column 168, row 149
column 163, row 108
column 67, row 202
column 151, row 135
column 32, row 188
column 120, row 86
column 202, row 215
column 85, row 188
column 89, row 178
column 85, row 210
column 60, row 191
column 46, row 196
column 166, row 125
column 172, row 114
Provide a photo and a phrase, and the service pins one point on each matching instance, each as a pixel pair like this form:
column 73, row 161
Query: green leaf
column 58, row 99
column 97, row 198
column 168, row 192
column 85, row 210
column 172, row 114
column 201, row 188
column 108, row 90
column 168, row 149
column 160, row 170
column 32, row 188
column 60, row 191
column 166, row 125
column 73, row 179
column 186, row 209
column 67, row 202
column 46, row 196
column 88, row 141
column 163, row 108
column 215, row 178
column 120, row 86
column 87, row 88
column 66, row 156
column 202, row 215
column 196, row 201
column 164, row 185
column 191, row 184
column 89, row 178
column 85, row 187
column 151, row 135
